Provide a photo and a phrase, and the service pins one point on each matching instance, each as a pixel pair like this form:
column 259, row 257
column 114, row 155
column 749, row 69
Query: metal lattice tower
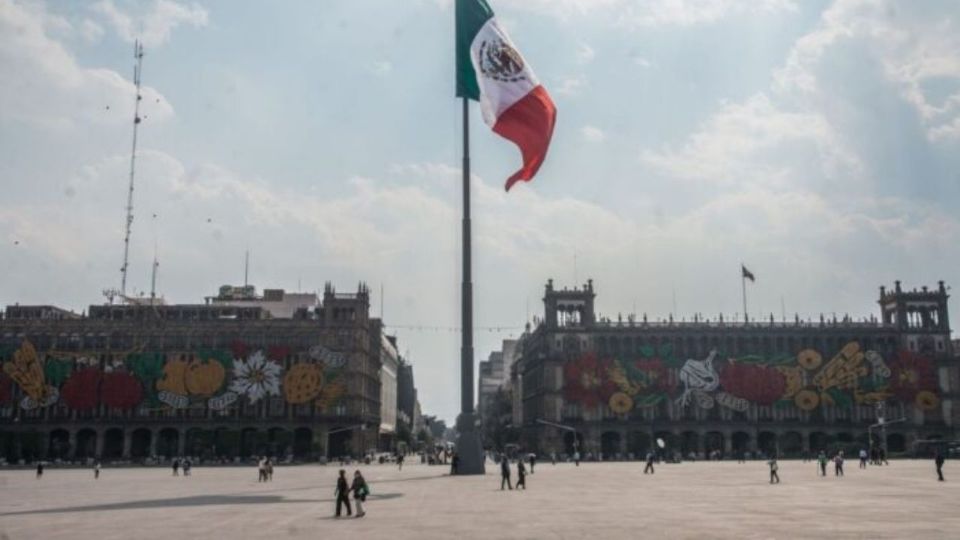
column 137, row 68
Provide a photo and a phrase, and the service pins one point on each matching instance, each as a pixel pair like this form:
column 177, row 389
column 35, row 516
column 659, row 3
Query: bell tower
column 920, row 316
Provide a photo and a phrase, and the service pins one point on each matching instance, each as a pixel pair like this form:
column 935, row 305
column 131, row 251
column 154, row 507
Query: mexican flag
column 491, row 70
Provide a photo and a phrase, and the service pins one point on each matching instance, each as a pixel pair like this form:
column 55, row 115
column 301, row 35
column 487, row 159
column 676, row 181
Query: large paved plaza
column 606, row 500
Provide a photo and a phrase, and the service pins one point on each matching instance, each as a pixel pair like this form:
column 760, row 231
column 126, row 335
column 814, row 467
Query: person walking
column 342, row 492
column 504, row 472
column 774, row 477
column 360, row 492
column 649, row 467
column 576, row 458
column 533, row 462
column 521, row 474
column 176, row 467
column 400, row 461
column 262, row 470
column 822, row 461
column 454, row 463
column 186, row 467
column 938, row 460
column 838, row 464
column 39, row 469
column 96, row 470
column 863, row 458
column 269, row 470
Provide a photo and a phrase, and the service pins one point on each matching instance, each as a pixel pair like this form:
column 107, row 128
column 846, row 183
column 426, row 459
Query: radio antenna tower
column 137, row 68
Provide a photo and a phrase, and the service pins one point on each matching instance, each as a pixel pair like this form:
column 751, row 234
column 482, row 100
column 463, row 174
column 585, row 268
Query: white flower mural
column 256, row 377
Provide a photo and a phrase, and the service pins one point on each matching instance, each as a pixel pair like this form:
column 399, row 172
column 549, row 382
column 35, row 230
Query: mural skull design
column 700, row 376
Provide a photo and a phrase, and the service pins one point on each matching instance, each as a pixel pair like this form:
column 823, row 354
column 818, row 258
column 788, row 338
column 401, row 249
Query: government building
column 721, row 387
column 293, row 376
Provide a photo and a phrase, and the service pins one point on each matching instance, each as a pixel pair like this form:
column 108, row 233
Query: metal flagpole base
column 469, row 446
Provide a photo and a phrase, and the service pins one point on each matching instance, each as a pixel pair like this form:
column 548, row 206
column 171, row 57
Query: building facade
column 614, row 387
column 213, row 381
column 389, row 364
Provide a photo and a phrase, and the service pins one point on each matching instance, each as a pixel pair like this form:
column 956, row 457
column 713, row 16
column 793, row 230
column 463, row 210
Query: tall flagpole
column 466, row 315
column 470, row 456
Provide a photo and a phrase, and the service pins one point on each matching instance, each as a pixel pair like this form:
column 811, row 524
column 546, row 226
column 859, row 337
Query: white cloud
column 43, row 85
column 381, row 67
column 585, row 54
column 755, row 141
column 571, row 87
column 912, row 47
column 154, row 25
column 592, row 134
column 90, row 30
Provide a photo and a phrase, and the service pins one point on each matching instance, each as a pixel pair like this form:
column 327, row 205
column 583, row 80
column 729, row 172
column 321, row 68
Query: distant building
column 236, row 377
column 494, row 375
column 278, row 302
column 389, row 365
column 730, row 387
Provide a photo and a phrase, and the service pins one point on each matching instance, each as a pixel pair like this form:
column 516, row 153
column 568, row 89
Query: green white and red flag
column 513, row 102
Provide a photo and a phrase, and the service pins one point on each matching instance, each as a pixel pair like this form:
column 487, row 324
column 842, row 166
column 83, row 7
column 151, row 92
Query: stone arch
column 690, row 443
column 59, row 444
column 302, row 442
column 791, row 444
column 279, row 442
column 767, row 442
column 86, row 443
column 896, row 442
column 741, row 442
column 226, row 443
column 140, row 441
column 713, row 441
column 638, row 443
column 168, row 442
column 113, row 443
column 819, row 442
column 610, row 444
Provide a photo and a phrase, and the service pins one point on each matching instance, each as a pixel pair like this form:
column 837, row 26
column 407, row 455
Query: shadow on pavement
column 200, row 500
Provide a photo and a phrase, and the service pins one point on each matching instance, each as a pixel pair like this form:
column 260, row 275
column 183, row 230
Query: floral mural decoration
column 256, row 377
column 27, row 370
column 588, row 380
column 81, row 391
column 755, row 383
column 913, row 375
column 120, row 390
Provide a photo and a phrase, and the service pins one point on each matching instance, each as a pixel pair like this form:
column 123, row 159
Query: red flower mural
column 758, row 384
column 911, row 374
column 121, row 390
column 587, row 381
column 81, row 391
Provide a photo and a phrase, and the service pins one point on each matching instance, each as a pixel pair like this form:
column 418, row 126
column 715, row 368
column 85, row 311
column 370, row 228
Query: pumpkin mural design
column 302, row 383
column 174, row 377
column 204, row 377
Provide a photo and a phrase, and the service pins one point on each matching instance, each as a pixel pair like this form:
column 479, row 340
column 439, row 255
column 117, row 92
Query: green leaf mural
column 57, row 370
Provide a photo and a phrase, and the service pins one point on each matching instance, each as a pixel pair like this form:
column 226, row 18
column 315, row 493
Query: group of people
column 265, row 469
column 521, row 471
column 186, row 465
column 360, row 491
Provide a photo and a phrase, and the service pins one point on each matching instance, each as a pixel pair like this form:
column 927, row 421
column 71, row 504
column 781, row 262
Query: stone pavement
column 595, row 500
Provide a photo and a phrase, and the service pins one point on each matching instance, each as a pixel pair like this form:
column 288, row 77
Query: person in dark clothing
column 176, row 467
column 504, row 472
column 533, row 462
column 774, row 477
column 521, row 475
column 343, row 493
column 186, row 467
column 838, row 464
column 938, row 460
column 649, row 467
column 822, row 461
column 454, row 463
column 360, row 491
column 399, row 462
column 39, row 469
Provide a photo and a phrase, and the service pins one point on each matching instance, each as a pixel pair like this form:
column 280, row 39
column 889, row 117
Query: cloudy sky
column 815, row 141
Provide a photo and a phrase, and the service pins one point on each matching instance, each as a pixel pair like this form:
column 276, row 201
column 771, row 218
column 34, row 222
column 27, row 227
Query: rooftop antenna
column 246, row 269
column 137, row 68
